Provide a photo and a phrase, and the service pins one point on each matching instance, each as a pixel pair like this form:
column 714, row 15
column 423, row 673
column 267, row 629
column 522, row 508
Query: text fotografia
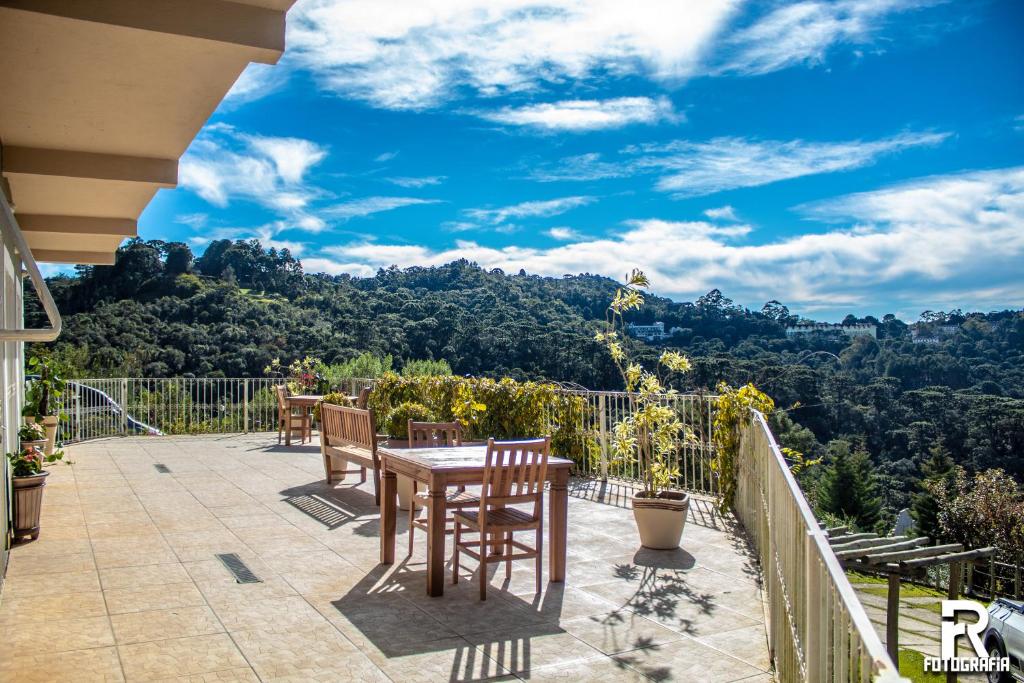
column 952, row 629
column 982, row 665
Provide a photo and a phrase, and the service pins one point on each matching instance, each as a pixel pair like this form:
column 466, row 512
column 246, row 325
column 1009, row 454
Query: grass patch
column 912, row 667
column 857, row 577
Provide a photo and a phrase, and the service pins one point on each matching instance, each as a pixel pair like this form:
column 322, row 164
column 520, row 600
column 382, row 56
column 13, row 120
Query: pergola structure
column 901, row 557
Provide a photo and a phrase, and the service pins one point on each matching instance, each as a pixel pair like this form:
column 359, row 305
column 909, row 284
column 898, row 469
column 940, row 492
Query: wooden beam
column 965, row 556
column 72, row 164
column 876, row 549
column 846, row 538
column 913, row 553
column 868, row 543
column 78, row 225
column 92, row 258
column 222, row 21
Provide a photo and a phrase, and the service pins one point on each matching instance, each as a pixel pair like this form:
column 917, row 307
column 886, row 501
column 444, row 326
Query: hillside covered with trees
column 882, row 405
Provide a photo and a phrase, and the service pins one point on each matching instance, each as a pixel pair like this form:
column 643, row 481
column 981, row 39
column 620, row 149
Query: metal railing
column 102, row 407
column 817, row 628
column 692, row 457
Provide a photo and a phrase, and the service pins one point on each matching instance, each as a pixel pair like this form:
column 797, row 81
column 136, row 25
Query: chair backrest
column 282, row 397
column 343, row 426
column 514, row 473
column 363, row 398
column 434, row 434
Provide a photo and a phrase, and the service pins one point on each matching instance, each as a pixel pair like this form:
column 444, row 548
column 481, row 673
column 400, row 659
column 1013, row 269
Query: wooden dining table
column 438, row 469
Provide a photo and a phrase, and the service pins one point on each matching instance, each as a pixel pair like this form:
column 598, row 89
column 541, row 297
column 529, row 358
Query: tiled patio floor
column 124, row 584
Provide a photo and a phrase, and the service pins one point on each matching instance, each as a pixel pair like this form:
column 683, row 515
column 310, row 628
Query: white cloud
column 690, row 169
column 413, row 54
column 722, row 213
column 366, row 206
column 564, row 234
column 255, row 82
column 385, row 157
column 424, row 181
column 223, row 164
column 916, row 243
column 803, row 33
column 545, row 208
column 586, row 115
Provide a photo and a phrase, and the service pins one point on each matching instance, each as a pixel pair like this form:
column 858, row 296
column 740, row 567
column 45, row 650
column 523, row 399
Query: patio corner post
column 122, row 400
column 245, row 405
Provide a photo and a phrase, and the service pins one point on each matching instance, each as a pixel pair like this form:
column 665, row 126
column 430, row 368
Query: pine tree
column 849, row 487
column 924, row 507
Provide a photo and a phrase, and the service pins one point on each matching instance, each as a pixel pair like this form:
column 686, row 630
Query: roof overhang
column 99, row 100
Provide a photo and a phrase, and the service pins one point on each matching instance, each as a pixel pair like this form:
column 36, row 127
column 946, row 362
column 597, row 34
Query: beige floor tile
column 28, row 585
column 308, row 653
column 522, row 650
column 139, row 627
column 687, row 660
column 51, row 564
column 97, row 665
column 143, row 575
column 287, row 612
column 44, row 606
column 56, row 635
column 243, row 674
column 451, row 659
column 620, row 631
column 162, row 659
column 749, row 644
column 144, row 598
column 590, row 671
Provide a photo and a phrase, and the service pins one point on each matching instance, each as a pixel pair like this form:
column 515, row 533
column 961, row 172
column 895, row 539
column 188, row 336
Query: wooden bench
column 349, row 435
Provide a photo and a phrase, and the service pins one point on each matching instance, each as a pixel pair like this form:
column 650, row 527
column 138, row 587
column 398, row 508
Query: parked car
column 1004, row 637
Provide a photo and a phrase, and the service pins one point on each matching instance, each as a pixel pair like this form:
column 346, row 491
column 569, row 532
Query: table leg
column 437, row 512
column 558, row 524
column 388, row 517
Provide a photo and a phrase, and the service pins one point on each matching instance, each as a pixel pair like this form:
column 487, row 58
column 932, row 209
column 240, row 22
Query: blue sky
column 861, row 156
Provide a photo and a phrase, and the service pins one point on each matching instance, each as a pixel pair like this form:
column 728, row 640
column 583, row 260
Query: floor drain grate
column 162, row 468
column 239, row 569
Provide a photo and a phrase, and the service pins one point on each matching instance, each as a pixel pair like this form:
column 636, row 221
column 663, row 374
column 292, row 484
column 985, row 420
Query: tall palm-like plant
column 652, row 431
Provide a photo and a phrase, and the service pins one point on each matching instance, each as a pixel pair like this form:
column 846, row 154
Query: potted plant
column 32, row 435
column 27, row 482
column 651, row 430
column 42, row 400
column 397, row 426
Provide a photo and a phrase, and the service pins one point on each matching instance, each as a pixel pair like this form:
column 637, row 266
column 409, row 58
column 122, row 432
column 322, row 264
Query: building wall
column 12, row 382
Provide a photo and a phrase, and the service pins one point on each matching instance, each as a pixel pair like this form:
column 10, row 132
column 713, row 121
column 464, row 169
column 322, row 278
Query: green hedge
column 503, row 409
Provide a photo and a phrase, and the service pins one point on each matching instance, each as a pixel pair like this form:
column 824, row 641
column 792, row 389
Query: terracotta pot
column 49, row 423
column 660, row 520
column 28, row 504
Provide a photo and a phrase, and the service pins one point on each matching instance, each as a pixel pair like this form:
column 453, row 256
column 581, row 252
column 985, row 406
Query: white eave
column 100, row 98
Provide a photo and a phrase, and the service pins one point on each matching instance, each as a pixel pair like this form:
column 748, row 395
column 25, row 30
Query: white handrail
column 12, row 235
column 818, row 629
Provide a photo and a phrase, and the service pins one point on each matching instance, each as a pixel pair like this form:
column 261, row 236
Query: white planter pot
column 660, row 520
column 49, row 423
column 405, row 493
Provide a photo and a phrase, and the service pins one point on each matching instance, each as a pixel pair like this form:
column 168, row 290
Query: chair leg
column 483, row 567
column 508, row 555
column 455, row 555
column 279, row 431
column 540, row 555
column 412, row 518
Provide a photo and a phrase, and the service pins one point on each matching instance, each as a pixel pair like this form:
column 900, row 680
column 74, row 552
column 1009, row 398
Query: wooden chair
column 288, row 419
column 514, row 474
column 436, row 435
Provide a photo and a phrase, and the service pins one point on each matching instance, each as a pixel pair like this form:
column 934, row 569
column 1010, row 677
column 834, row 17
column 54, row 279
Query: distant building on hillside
column 928, row 333
column 653, row 332
column 854, row 330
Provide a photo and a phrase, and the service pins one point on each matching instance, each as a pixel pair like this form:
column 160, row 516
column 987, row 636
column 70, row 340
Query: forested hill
column 158, row 312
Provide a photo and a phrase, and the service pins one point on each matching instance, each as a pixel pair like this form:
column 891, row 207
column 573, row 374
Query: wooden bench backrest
column 341, row 426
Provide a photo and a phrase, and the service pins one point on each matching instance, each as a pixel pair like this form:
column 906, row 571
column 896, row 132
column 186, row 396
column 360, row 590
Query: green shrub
column 396, row 424
column 335, row 398
column 503, row 409
column 417, row 368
